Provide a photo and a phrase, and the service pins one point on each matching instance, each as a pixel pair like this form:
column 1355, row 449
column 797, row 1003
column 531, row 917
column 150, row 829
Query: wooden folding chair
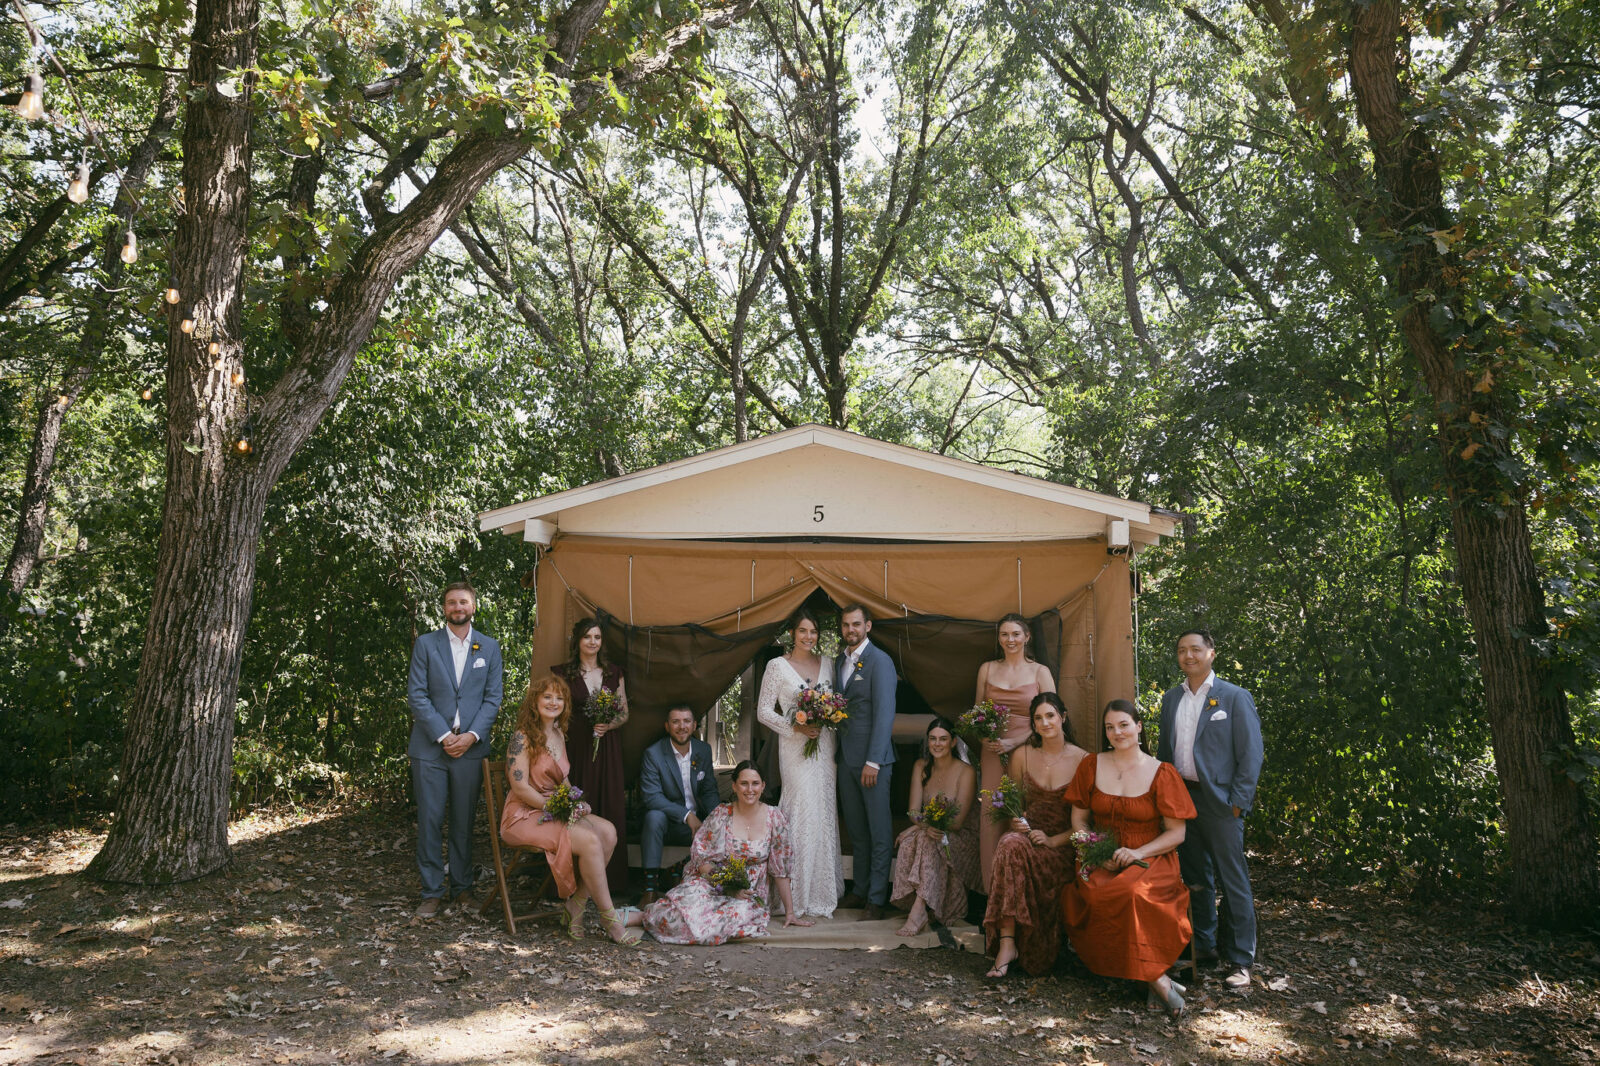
column 494, row 774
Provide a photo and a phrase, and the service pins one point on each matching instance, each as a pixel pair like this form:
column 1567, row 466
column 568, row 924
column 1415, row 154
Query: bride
column 816, row 871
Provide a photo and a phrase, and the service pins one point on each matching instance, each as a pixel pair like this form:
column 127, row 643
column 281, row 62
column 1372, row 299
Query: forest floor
column 304, row 951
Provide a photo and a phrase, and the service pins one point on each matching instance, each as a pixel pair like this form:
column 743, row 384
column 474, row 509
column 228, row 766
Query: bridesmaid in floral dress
column 597, row 763
column 695, row 912
column 1034, row 859
column 1014, row 680
column 933, row 868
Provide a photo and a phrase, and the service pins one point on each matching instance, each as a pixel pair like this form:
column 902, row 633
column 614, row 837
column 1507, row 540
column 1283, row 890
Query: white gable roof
column 816, row 481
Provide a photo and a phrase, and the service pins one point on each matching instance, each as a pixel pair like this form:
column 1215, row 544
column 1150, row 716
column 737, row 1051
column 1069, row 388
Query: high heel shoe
column 616, row 925
column 572, row 925
column 1000, row 969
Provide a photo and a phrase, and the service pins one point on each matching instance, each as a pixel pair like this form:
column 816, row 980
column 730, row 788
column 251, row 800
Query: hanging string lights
column 31, row 108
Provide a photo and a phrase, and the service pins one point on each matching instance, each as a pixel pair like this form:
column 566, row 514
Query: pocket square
column 701, row 776
column 1219, row 716
column 478, row 662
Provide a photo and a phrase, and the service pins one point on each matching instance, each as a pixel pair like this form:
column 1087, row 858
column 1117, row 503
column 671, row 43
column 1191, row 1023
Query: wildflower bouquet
column 1095, row 850
column 984, row 721
column 939, row 813
column 819, row 708
column 564, row 804
column 1005, row 801
column 731, row 876
column 603, row 707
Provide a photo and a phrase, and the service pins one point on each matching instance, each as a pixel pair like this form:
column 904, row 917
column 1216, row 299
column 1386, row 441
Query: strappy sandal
column 1154, row 1002
column 616, row 917
column 1001, row 969
column 572, row 925
column 1173, row 1004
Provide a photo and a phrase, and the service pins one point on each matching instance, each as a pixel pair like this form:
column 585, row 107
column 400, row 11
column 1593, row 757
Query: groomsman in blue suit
column 454, row 691
column 1210, row 732
column 865, row 674
column 679, row 785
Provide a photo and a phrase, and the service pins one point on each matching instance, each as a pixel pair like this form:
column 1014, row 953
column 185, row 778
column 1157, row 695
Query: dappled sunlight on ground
column 305, row 951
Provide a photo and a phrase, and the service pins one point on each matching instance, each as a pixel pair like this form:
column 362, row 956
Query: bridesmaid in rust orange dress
column 1033, row 860
column 1125, row 920
column 1013, row 680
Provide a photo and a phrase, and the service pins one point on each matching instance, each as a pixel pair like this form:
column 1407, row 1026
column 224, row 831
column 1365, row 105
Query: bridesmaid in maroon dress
column 1014, row 680
column 1034, row 860
column 597, row 762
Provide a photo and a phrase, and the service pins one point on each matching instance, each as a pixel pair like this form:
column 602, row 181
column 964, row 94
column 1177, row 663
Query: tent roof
column 816, row 481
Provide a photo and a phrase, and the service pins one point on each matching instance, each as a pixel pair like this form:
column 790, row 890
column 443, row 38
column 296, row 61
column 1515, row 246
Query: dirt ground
column 304, row 951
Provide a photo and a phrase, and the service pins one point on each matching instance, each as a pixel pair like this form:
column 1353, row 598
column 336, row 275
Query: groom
column 865, row 675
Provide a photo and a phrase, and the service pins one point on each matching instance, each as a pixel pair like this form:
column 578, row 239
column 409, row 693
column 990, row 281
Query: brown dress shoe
column 872, row 913
column 430, row 908
column 463, row 903
column 851, row 902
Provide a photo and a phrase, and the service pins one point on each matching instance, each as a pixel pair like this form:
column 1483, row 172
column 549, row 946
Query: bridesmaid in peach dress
column 1014, row 680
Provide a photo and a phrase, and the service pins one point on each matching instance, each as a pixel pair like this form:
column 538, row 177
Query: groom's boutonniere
column 476, row 646
column 1212, row 702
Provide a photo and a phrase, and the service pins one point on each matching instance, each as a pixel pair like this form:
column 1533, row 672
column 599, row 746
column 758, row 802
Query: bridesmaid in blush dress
column 1014, row 680
column 597, row 761
column 576, row 850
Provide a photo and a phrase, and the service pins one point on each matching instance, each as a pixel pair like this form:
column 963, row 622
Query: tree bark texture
column 172, row 807
column 172, row 810
column 1555, row 879
column 34, row 512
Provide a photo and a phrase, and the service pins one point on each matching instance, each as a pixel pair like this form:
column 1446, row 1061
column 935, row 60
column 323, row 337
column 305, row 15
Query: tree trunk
column 1555, row 879
column 172, row 808
column 34, row 512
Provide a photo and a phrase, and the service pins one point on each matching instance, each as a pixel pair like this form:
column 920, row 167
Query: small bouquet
column 939, row 813
column 603, row 707
column 1095, row 850
column 731, row 876
column 1005, row 801
column 819, row 708
column 564, row 804
column 984, row 721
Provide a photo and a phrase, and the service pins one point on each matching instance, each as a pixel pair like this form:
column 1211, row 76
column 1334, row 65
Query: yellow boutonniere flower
column 1213, row 702
column 476, row 645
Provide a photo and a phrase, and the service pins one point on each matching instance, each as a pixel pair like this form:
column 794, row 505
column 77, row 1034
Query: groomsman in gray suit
column 1210, row 732
column 454, row 691
column 865, row 674
column 678, row 783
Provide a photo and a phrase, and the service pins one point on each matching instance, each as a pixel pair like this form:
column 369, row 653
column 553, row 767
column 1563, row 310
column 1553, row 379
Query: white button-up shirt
column 1186, row 723
column 685, row 759
column 460, row 648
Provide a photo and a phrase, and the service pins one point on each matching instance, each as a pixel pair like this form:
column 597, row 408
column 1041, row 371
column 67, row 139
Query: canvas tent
column 692, row 568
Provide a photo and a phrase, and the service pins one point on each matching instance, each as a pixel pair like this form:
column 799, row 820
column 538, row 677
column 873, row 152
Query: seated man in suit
column 680, row 790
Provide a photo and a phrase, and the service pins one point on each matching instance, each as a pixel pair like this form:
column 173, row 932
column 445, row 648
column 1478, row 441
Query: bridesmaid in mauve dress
column 1013, row 680
column 597, row 763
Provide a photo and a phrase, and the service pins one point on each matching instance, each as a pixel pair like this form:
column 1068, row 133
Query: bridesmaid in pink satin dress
column 1014, row 680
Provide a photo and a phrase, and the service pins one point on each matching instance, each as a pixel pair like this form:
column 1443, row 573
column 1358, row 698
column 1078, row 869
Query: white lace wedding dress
column 808, row 801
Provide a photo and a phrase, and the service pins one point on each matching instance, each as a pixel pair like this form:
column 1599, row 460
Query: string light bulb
column 173, row 295
column 147, row 394
column 78, row 188
column 187, row 325
column 237, row 378
column 31, row 106
column 242, row 446
column 130, row 249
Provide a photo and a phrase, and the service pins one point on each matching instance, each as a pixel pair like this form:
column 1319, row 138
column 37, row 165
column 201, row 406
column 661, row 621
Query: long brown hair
column 1027, row 636
column 530, row 725
column 580, row 629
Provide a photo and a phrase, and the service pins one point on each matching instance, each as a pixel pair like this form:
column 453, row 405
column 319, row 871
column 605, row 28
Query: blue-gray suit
column 439, row 781
column 665, row 805
column 1227, row 762
column 867, row 737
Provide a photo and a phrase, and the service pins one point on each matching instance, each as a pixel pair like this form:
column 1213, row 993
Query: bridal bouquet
column 1095, row 850
column 1005, row 801
column 603, row 707
column 564, row 804
column 819, row 708
column 731, row 876
column 985, row 721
